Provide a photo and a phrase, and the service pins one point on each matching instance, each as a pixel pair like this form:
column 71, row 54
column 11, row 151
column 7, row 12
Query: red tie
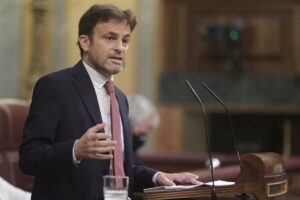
column 115, row 128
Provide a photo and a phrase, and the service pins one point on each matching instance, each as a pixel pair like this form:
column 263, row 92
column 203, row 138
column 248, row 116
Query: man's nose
column 119, row 45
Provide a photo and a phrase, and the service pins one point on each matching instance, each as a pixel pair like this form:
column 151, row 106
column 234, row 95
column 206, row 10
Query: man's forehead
column 115, row 24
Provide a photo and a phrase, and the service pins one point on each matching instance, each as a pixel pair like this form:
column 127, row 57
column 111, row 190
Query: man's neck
column 101, row 72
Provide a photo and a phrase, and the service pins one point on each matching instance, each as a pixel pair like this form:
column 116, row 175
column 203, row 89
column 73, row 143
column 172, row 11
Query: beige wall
column 126, row 80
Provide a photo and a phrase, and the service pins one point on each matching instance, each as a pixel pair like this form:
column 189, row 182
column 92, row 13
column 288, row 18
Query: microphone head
column 215, row 163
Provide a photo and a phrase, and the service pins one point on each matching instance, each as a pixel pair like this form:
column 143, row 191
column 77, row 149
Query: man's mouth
column 116, row 58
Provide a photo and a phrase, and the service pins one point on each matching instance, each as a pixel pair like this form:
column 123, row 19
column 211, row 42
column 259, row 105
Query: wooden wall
column 257, row 75
column 268, row 40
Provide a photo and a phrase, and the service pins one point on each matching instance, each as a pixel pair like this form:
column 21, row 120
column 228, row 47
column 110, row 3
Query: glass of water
column 115, row 187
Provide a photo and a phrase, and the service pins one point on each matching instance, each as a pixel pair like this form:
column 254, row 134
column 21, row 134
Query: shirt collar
column 98, row 79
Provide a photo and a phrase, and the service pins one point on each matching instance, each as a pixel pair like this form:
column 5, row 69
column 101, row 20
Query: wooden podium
column 262, row 177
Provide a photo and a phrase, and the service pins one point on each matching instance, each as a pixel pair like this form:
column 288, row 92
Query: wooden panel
column 176, row 41
column 263, row 46
column 267, row 42
column 267, row 35
column 262, row 34
column 169, row 138
column 295, row 136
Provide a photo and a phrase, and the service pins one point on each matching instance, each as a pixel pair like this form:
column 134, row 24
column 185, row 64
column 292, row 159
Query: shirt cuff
column 155, row 177
column 76, row 161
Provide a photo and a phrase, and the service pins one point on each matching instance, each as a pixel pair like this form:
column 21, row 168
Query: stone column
column 37, row 43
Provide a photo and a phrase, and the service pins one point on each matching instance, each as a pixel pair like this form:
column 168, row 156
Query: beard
column 107, row 69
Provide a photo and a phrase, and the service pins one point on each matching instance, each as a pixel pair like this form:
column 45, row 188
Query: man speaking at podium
column 78, row 117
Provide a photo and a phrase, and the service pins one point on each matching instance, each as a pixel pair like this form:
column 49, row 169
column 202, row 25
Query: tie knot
column 109, row 86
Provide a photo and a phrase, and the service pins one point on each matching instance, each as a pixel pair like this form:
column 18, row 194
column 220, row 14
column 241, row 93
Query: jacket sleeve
column 142, row 177
column 39, row 153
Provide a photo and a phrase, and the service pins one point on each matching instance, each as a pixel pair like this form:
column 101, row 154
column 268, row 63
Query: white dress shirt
column 10, row 192
column 103, row 98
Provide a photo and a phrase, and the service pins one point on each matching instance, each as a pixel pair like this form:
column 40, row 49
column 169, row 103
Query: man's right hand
column 94, row 145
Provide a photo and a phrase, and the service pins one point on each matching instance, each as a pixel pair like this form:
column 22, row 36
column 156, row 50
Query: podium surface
column 262, row 177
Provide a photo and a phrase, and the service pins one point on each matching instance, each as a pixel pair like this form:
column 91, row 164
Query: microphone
column 213, row 189
column 230, row 120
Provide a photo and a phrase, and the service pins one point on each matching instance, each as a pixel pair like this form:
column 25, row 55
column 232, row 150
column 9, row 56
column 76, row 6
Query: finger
column 102, row 136
column 99, row 136
column 162, row 179
column 101, row 150
column 195, row 182
column 193, row 176
column 97, row 128
column 186, row 178
column 104, row 156
column 99, row 156
column 103, row 143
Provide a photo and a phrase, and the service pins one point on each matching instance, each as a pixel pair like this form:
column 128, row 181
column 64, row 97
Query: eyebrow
column 115, row 34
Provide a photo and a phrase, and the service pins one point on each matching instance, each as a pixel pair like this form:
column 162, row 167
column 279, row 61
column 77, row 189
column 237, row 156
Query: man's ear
column 84, row 42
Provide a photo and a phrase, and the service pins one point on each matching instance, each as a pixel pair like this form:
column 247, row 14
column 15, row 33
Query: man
column 143, row 118
column 66, row 143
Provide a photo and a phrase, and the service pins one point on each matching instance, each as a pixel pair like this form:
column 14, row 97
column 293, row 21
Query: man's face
column 107, row 48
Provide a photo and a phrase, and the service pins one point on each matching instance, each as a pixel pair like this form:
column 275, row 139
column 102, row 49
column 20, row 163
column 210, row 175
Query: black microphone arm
column 213, row 189
column 230, row 120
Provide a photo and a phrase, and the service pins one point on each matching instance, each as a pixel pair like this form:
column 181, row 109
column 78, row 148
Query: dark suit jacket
column 64, row 105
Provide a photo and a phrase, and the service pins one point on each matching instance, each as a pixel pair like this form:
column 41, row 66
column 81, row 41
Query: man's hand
column 177, row 178
column 94, row 145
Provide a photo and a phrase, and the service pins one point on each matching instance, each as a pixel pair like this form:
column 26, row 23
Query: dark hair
column 102, row 13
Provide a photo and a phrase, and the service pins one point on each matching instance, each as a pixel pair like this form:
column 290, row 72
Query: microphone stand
column 230, row 120
column 213, row 189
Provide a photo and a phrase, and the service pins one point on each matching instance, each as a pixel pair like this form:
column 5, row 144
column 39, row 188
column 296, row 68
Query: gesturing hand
column 94, row 145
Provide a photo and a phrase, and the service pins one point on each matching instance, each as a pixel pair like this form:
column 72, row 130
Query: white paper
column 218, row 183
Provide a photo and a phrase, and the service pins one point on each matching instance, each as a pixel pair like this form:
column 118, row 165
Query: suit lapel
column 122, row 111
column 126, row 131
column 85, row 88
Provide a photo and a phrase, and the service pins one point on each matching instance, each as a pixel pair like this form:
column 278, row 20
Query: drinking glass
column 115, row 187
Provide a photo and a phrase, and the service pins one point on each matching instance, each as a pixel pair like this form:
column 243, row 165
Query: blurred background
column 246, row 51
